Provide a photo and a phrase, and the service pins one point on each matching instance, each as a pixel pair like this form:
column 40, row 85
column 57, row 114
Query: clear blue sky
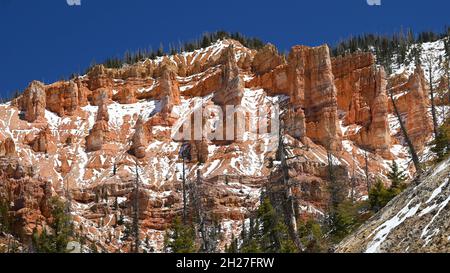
column 48, row 39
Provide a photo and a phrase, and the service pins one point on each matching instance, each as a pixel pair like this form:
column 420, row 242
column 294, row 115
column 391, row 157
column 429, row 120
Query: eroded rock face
column 362, row 96
column 170, row 91
column 65, row 166
column 267, row 59
column 33, row 102
column 43, row 142
column 418, row 122
column 95, row 139
column 199, row 151
column 125, row 96
column 379, row 135
column 139, row 140
column 311, row 87
column 232, row 173
column 98, row 78
column 62, row 98
column 29, row 197
column 412, row 100
column 232, row 89
column 8, row 147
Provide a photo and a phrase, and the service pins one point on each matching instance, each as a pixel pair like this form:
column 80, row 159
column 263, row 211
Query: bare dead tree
column 185, row 154
column 208, row 228
column 333, row 181
column 290, row 216
column 136, row 211
column 412, row 150
column 366, row 170
column 353, row 181
column 430, row 62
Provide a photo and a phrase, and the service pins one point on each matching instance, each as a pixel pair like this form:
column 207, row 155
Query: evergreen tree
column 57, row 240
column 349, row 216
column 312, row 236
column 251, row 237
column 378, row 196
column 397, row 177
column 206, row 41
column 267, row 232
column 274, row 233
column 181, row 238
column 441, row 145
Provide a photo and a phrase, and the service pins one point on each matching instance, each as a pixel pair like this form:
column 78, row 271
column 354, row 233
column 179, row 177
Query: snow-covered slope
column 415, row 221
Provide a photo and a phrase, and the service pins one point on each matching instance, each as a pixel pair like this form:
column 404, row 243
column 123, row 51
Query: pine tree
column 274, row 234
column 251, row 238
column 379, row 196
column 441, row 145
column 312, row 236
column 181, row 238
column 57, row 240
column 397, row 177
column 206, row 41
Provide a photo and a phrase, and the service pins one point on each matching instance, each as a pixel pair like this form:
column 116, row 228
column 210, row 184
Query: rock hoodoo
column 33, row 102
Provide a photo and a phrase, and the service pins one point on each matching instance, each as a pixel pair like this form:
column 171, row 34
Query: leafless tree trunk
column 136, row 212
column 433, row 104
column 290, row 217
column 184, row 192
column 353, row 182
column 412, row 150
column 366, row 170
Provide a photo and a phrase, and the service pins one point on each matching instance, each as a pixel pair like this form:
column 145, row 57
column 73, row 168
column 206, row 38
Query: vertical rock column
column 33, row 102
column 95, row 139
column 312, row 90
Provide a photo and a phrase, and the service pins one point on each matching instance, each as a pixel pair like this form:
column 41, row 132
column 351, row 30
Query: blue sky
column 46, row 40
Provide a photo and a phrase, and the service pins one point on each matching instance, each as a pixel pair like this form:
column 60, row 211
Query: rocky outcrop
column 232, row 89
column 139, row 140
column 267, row 59
column 125, row 96
column 62, row 98
column 170, row 92
column 204, row 84
column 378, row 137
column 28, row 197
column 416, row 221
column 95, row 139
column 8, row 148
column 43, row 142
column 199, row 151
column 274, row 82
column 295, row 123
column 33, row 102
column 98, row 78
column 311, row 87
column 362, row 97
column 83, row 92
column 412, row 100
column 102, row 113
column 418, row 122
